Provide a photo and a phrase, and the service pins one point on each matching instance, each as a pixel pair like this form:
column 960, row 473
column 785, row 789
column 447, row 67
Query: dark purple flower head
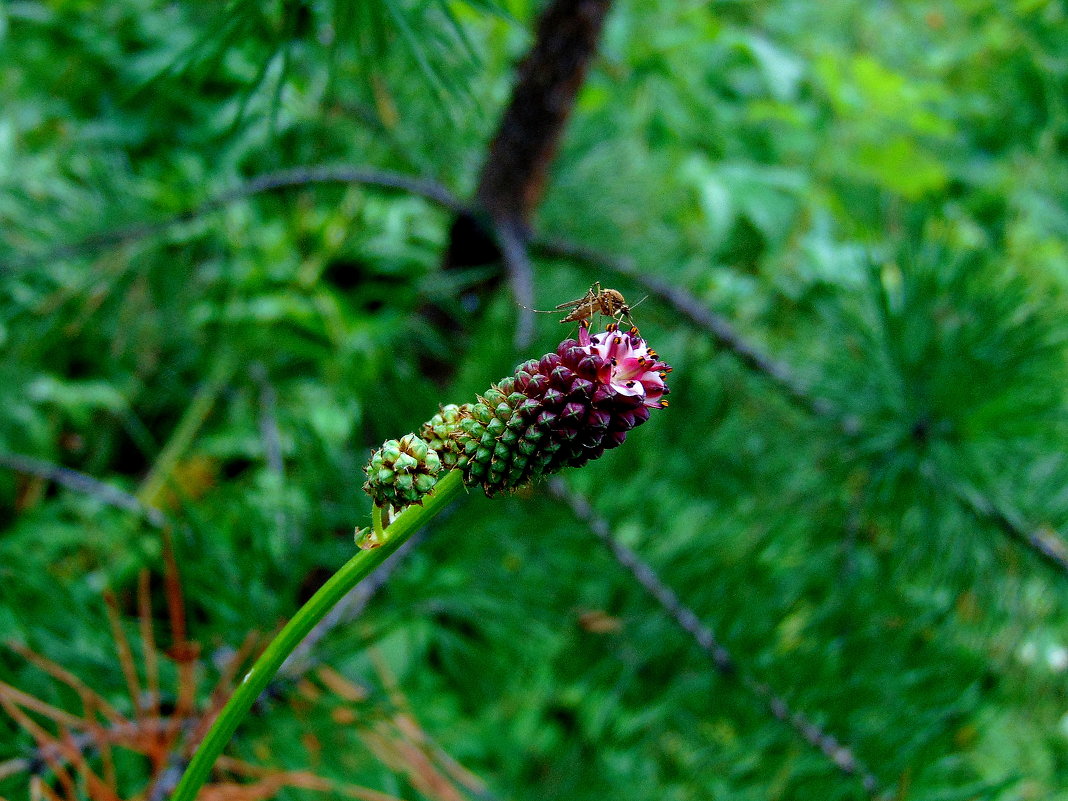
column 561, row 410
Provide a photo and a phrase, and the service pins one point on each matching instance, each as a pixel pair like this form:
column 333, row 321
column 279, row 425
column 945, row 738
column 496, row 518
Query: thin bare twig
column 271, row 436
column 521, row 276
column 80, row 482
column 840, row 755
column 269, row 431
column 1044, row 542
column 168, row 778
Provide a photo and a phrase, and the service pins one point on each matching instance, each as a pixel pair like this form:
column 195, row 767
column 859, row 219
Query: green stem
column 337, row 586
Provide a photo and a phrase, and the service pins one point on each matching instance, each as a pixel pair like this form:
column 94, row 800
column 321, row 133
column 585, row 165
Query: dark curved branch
column 269, row 182
column 340, row 174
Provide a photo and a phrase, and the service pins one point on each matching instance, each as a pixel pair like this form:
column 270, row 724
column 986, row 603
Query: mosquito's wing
column 580, row 312
column 573, row 303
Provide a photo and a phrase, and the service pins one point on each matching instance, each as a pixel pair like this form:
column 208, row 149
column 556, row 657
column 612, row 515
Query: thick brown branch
column 515, row 171
column 514, row 175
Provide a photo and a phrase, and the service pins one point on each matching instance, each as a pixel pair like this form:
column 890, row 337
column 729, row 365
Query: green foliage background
column 873, row 192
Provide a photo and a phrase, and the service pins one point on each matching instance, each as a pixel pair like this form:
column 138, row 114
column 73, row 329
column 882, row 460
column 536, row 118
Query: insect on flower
column 609, row 302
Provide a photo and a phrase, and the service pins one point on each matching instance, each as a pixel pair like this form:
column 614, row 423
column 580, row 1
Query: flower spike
column 561, row 410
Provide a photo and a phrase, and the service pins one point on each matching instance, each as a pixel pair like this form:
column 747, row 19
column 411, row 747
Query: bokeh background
column 850, row 221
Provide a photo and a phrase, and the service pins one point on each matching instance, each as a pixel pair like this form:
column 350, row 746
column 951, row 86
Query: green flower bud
column 439, row 433
column 401, row 472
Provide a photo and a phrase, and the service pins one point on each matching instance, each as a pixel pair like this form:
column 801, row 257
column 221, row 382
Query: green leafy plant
column 243, row 245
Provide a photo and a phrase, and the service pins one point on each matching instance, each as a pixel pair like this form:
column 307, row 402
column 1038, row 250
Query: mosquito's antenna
column 624, row 311
column 639, row 303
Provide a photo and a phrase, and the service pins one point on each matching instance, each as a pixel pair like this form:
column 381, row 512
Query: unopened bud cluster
column 558, row 411
column 402, row 471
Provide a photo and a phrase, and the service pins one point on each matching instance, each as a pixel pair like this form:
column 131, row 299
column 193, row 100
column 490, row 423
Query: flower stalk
column 558, row 411
column 337, row 586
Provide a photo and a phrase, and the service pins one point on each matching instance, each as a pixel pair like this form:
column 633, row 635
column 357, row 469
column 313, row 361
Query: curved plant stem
column 355, row 570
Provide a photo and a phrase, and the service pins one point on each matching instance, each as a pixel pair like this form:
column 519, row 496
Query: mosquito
column 609, row 302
